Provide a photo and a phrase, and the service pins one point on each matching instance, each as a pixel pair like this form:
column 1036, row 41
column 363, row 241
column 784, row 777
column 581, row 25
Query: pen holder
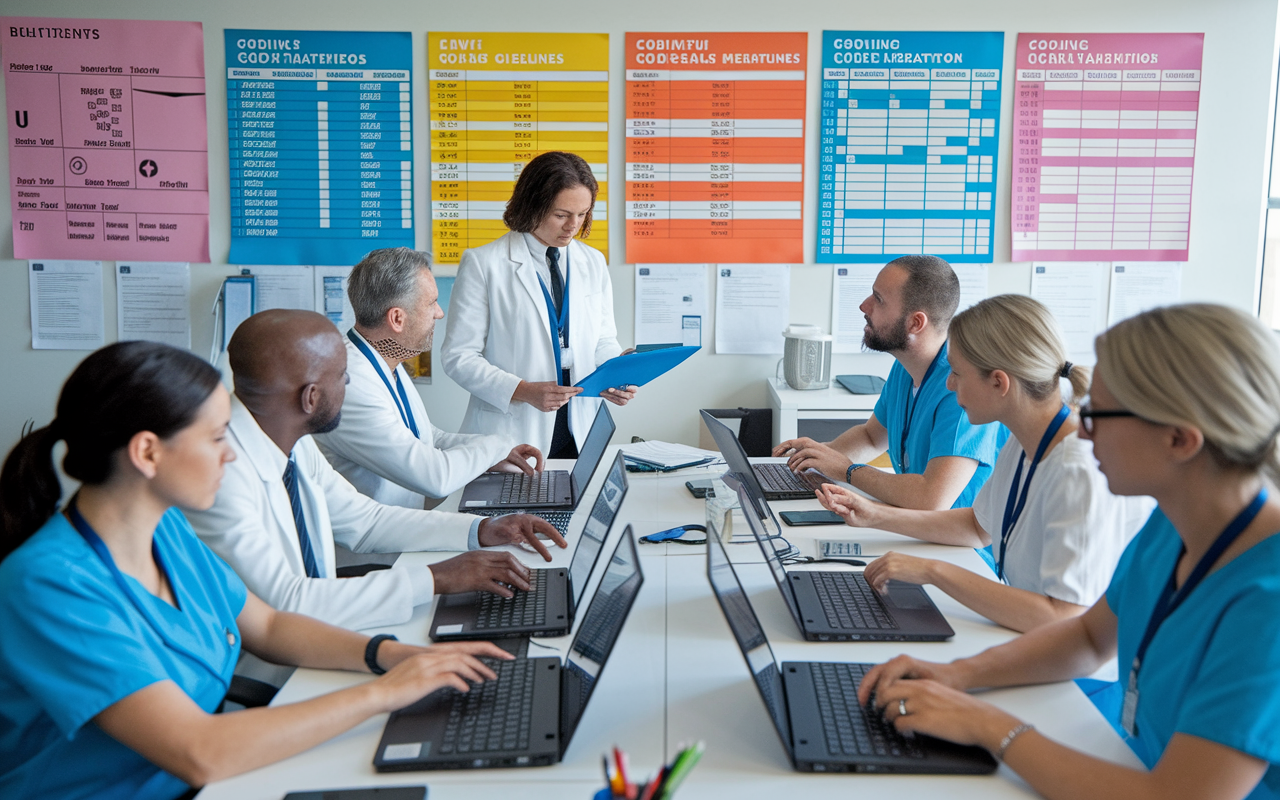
column 607, row 794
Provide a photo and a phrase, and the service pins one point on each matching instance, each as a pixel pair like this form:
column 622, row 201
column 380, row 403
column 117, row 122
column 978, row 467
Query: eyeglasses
column 1088, row 415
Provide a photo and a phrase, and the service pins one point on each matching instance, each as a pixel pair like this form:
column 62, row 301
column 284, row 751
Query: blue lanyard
column 402, row 402
column 912, row 401
column 1012, row 509
column 1171, row 599
column 95, row 543
column 558, row 321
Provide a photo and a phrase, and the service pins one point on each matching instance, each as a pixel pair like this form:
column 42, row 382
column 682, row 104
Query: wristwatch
column 848, row 474
column 371, row 652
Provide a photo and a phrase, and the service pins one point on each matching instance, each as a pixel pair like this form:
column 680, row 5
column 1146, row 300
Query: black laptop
column 771, row 481
column 840, row 606
column 548, row 607
column 553, row 488
column 814, row 705
column 527, row 717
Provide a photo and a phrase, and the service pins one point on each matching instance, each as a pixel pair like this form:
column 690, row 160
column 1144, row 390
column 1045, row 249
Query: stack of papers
column 665, row 456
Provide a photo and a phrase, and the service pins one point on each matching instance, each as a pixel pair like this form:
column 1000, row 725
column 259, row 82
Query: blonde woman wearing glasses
column 1185, row 407
column 1056, row 531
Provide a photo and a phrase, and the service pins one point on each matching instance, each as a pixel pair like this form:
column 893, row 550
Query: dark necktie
column 299, row 522
column 557, row 282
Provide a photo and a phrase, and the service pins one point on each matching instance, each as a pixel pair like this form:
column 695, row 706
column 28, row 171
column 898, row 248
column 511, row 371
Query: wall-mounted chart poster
column 1104, row 145
column 108, row 139
column 498, row 100
column 910, row 135
column 715, row 147
column 321, row 142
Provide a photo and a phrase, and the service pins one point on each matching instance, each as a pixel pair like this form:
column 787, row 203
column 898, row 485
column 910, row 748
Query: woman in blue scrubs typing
column 1184, row 407
column 121, row 629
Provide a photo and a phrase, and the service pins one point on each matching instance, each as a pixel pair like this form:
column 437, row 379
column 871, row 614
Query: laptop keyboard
column 558, row 519
column 851, row 729
column 778, row 479
column 540, row 487
column 494, row 715
column 849, row 601
column 526, row 608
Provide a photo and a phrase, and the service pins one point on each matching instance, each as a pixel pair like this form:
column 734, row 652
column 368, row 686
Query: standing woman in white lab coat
column 532, row 313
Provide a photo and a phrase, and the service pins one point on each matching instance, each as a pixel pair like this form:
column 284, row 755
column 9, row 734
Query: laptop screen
column 592, row 451
column 749, row 635
column 596, row 531
column 768, row 546
column 735, row 457
column 598, row 633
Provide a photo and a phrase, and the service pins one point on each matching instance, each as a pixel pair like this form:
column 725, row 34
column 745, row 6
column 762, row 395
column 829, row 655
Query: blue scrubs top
column 1213, row 668
column 939, row 427
column 72, row 644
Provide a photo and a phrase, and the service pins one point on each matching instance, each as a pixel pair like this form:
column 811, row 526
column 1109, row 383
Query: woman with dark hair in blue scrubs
column 121, row 629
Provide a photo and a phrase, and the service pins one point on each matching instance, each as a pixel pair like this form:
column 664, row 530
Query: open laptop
column 548, row 607
column 526, row 717
column 829, row 606
column 771, row 481
column 814, row 705
column 553, row 488
column 840, row 606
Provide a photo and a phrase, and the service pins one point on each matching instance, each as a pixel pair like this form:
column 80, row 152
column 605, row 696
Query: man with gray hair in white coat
column 386, row 446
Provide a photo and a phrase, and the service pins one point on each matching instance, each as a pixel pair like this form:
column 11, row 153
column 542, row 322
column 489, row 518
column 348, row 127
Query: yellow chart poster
column 498, row 100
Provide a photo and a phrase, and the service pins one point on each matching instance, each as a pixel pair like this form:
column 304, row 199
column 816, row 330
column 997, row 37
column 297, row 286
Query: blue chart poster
column 321, row 145
column 910, row 133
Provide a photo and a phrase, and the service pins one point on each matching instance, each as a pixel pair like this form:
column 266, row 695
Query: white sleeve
column 373, row 435
column 363, row 525
column 1077, row 528
column 239, row 528
column 988, row 505
column 466, row 337
column 607, row 345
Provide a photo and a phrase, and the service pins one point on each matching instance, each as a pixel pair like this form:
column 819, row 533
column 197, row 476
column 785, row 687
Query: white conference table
column 676, row 676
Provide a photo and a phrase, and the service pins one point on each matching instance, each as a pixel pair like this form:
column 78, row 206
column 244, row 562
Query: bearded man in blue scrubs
column 939, row 460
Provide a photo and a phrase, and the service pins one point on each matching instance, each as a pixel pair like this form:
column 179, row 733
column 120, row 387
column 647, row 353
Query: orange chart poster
column 497, row 100
column 715, row 147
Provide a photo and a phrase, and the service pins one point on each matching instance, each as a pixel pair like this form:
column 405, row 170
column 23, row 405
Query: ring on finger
column 902, row 707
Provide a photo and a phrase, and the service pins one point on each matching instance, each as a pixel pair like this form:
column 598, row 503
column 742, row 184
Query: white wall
column 1229, row 194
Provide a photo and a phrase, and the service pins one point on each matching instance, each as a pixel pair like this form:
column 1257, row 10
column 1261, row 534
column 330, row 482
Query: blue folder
column 633, row 369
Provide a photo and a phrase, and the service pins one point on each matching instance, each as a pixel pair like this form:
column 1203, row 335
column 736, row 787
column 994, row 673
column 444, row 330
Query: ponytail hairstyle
column 115, row 393
column 1206, row 366
column 1018, row 335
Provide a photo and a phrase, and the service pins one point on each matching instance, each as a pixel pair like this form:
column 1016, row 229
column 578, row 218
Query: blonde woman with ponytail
column 1056, row 531
column 1185, row 407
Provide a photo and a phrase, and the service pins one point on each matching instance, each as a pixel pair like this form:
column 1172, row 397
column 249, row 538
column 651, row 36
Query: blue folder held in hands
column 633, row 369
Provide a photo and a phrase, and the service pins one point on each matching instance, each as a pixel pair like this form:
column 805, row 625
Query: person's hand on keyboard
column 899, row 567
column 932, row 707
column 804, row 453
column 520, row 529
column 483, row 571
column 518, row 460
column 418, row 671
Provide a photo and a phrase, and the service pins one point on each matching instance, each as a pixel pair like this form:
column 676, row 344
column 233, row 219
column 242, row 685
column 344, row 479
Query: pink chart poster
column 1104, row 145
column 108, row 140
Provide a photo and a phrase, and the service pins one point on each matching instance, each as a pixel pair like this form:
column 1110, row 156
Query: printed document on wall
column 331, row 296
column 1076, row 293
column 753, row 306
column 284, row 286
column 1137, row 287
column 973, row 284
column 850, row 286
column 153, row 302
column 66, row 305
column 108, row 144
column 671, row 303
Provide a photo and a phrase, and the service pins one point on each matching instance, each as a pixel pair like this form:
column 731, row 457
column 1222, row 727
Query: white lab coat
column 251, row 527
column 498, row 333
column 374, row 450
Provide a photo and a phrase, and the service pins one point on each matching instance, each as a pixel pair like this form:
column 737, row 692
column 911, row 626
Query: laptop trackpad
column 908, row 599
